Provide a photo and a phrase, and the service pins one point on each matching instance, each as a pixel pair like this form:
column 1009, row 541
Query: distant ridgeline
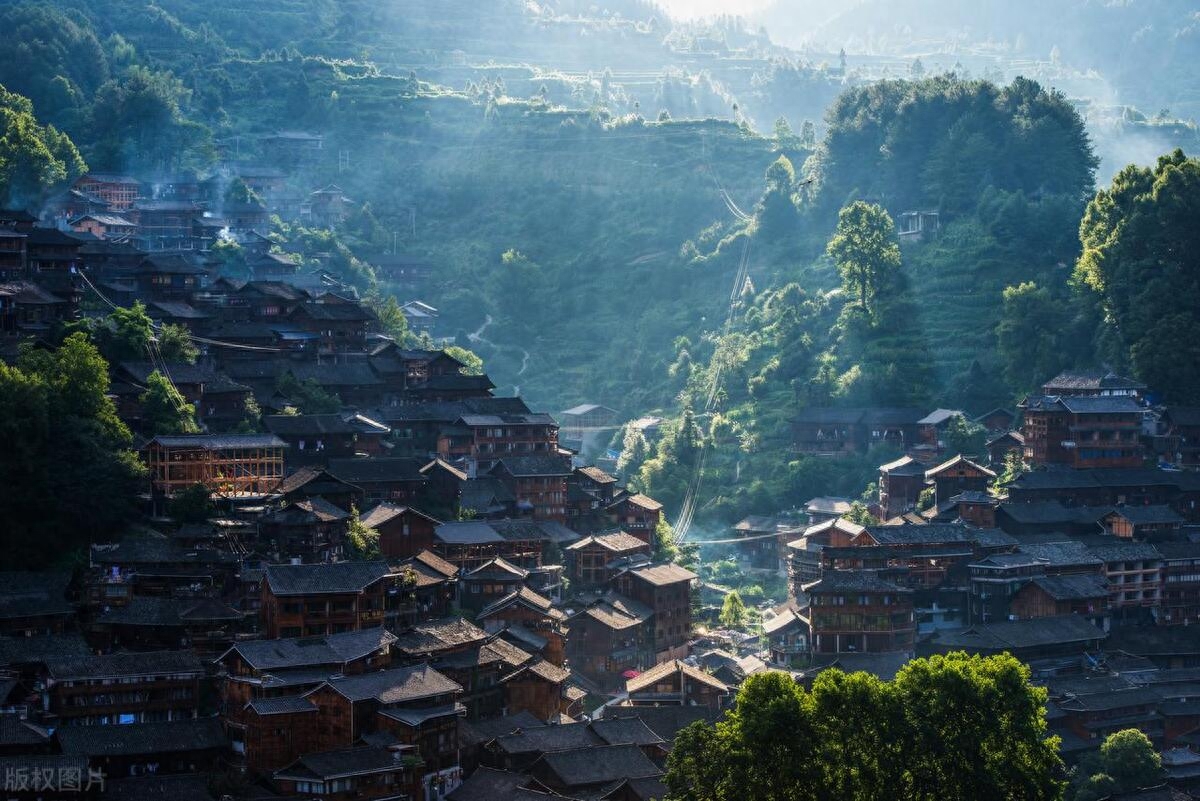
column 613, row 247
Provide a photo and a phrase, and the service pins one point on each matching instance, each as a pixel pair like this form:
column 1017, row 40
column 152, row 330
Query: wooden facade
column 233, row 465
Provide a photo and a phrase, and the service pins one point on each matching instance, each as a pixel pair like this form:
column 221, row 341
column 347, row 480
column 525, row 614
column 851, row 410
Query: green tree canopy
column 1028, row 336
column 472, row 364
column 362, row 541
column 175, row 344
column 865, row 250
column 1141, row 264
column 164, row 410
column 947, row 728
column 191, row 505
column 70, row 477
column 33, row 158
column 733, row 611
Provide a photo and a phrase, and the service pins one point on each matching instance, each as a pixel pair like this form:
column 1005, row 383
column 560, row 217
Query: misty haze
column 600, row 400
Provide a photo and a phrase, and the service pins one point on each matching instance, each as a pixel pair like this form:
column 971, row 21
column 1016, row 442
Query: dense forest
column 662, row 239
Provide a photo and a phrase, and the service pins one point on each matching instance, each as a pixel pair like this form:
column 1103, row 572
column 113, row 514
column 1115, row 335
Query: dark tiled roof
column 955, row 462
column 904, row 466
column 664, row 669
column 439, row 635
column 937, row 533
column 596, row 474
column 148, row 663
column 337, row 312
column 33, row 594
column 545, row 739
column 524, row 597
column 15, row 732
column 1023, row 633
column 309, row 424
column 338, row 577
column 1067, row 552
column 1073, row 587
column 526, row 466
column 1146, row 515
column 617, row 542
column 395, row 686
column 1091, row 380
column 383, row 512
column 221, row 442
column 840, row 581
column 329, row 765
column 159, row 788
column 282, row 705
column 662, row 575
column 469, row 532
column 437, row 563
column 360, row 471
column 134, row 739
column 331, row 649
column 349, row 374
column 616, row 612
column 587, row 766
column 477, row 732
column 154, row 611
column 488, row 784
column 42, row 648
column 314, row 481
column 617, row 730
column 1113, row 549
column 498, row 569
column 309, row 510
column 665, row 721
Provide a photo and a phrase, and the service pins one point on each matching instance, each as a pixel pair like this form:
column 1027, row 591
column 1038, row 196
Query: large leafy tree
column 68, row 473
column 947, row 728
column 33, row 158
column 1028, row 336
column 865, row 250
column 1141, row 266
column 164, row 410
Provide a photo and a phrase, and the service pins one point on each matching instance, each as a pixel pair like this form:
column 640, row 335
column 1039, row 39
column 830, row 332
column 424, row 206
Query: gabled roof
column 641, row 501
column 596, row 474
column 533, row 466
column 467, row 532
column 314, row 481
column 522, row 597
column 840, row 581
column 324, row 579
column 662, row 575
column 904, row 466
column 342, row 763
column 1060, row 554
column 33, row 593
column 128, row 665
column 1045, row 631
column 1147, row 515
column 439, row 635
column 311, row 425
column 437, row 563
column 133, row 739
column 330, row 649
column 544, row 739
column 939, row 416
column 617, row 542
column 779, row 622
column 1073, row 587
column 1090, row 380
column 498, row 568
column 615, row 612
column 956, row 462
column 383, row 512
column 661, row 671
column 310, row 510
column 360, row 471
column 393, row 686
